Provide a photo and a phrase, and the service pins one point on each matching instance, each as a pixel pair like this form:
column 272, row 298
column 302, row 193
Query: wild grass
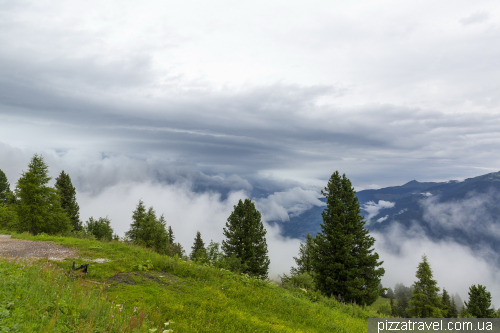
column 190, row 296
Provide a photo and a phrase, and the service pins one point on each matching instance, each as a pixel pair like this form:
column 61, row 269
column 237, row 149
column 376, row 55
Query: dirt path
column 16, row 248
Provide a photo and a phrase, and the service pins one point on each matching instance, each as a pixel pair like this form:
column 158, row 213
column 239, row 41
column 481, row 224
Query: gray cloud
column 456, row 275
column 373, row 209
column 474, row 18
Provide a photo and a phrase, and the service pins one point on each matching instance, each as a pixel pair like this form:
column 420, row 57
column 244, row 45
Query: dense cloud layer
column 382, row 94
column 455, row 267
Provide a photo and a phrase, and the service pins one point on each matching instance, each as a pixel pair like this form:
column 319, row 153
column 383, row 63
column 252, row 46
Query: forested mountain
column 466, row 211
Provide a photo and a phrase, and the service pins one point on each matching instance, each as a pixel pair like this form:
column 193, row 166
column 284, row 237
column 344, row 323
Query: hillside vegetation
column 138, row 290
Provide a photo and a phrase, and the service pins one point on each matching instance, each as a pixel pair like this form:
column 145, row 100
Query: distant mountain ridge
column 454, row 209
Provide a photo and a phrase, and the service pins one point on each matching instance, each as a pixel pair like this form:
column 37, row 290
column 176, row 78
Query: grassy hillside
column 137, row 290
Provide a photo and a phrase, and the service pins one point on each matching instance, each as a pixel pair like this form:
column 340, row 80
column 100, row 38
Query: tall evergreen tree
column 8, row 213
column 4, row 188
column 453, row 313
column 425, row 301
column 479, row 302
column 171, row 236
column 304, row 260
column 198, row 248
column 39, row 206
column 148, row 230
column 344, row 262
column 446, row 304
column 67, row 192
column 245, row 239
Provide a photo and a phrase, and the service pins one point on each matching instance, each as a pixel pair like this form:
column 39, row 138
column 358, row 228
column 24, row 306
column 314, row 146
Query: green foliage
column 198, row 249
column 39, row 206
column 304, row 260
column 67, row 193
column 171, row 236
column 479, row 302
column 446, row 304
column 301, row 280
column 214, row 254
column 100, row 228
column 191, row 297
column 4, row 188
column 402, row 295
column 452, row 312
column 8, row 217
column 343, row 261
column 148, row 230
column 425, row 301
column 245, row 239
column 40, row 297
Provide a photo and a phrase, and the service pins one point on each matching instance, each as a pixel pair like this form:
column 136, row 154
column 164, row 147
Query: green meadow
column 138, row 290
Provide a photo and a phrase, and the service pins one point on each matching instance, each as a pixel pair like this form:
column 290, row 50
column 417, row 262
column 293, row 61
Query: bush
column 100, row 228
column 303, row 280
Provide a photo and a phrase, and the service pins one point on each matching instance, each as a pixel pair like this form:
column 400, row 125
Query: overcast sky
column 221, row 100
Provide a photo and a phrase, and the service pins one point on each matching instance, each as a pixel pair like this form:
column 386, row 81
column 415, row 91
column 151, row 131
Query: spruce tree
column 446, row 304
column 171, row 236
column 67, row 192
column 304, row 260
column 38, row 205
column 4, row 189
column 198, row 248
column 453, row 313
column 148, row 230
column 344, row 262
column 479, row 302
column 425, row 301
column 245, row 239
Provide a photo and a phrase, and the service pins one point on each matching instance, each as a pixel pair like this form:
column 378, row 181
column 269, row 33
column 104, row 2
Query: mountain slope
column 466, row 211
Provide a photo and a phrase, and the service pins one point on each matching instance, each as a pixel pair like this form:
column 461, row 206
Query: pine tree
column 453, row 313
column 304, row 261
column 246, row 240
column 39, row 206
column 479, row 302
column 134, row 234
column 446, row 304
column 148, row 230
column 67, row 192
column 425, row 301
column 171, row 236
column 343, row 260
column 4, row 189
column 198, row 248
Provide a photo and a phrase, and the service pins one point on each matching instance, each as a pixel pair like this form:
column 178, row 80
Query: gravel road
column 16, row 248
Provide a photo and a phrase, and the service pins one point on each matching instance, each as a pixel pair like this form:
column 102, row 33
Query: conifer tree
column 38, row 205
column 453, row 313
column 4, row 189
column 479, row 302
column 446, row 304
column 344, row 262
column 198, row 248
column 67, row 192
column 171, row 236
column 245, row 239
column 425, row 301
column 304, row 260
column 148, row 230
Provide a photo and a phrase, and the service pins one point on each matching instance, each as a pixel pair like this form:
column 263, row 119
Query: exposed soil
column 16, row 248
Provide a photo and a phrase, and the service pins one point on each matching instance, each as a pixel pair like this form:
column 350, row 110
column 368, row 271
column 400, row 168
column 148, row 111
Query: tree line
column 424, row 299
column 338, row 262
